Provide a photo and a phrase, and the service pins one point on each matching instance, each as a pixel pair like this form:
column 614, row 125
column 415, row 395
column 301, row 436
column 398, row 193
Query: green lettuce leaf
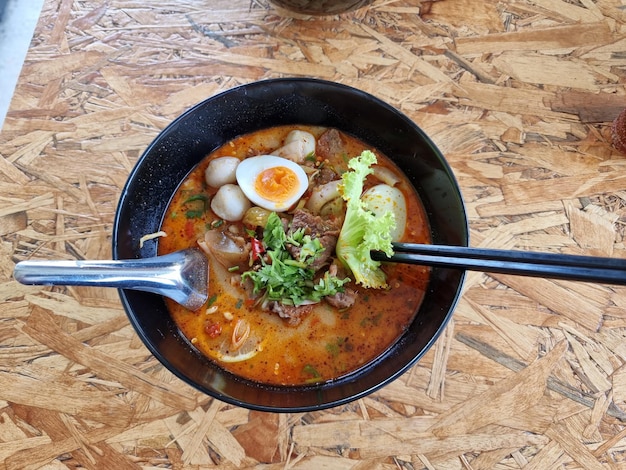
column 362, row 231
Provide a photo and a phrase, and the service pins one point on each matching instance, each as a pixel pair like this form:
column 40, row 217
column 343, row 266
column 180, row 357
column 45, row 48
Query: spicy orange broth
column 328, row 343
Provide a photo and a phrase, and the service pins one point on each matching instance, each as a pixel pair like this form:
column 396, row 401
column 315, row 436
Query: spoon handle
column 525, row 263
column 181, row 276
column 106, row 273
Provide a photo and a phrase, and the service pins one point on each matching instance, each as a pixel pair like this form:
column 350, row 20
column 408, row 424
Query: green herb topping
column 285, row 279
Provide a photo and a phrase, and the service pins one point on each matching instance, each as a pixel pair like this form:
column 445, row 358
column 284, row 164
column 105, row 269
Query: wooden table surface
column 518, row 94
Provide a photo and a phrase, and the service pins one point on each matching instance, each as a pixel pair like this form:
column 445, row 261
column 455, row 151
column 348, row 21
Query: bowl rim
column 163, row 359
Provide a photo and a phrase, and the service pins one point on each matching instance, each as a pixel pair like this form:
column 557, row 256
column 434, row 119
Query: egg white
column 249, row 169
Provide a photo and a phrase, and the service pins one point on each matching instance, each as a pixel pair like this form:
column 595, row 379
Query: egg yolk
column 276, row 184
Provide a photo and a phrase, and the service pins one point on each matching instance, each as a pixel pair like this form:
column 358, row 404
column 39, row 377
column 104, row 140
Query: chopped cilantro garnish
column 284, row 279
column 311, row 371
column 196, row 206
column 371, row 320
column 196, row 197
column 335, row 347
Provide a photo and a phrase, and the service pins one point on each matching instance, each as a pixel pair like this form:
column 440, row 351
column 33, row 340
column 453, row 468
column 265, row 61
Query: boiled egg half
column 271, row 182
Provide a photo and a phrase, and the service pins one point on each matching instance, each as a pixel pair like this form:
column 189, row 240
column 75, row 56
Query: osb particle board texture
column 518, row 94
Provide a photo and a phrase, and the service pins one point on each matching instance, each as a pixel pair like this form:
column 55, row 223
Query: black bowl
column 247, row 108
column 321, row 7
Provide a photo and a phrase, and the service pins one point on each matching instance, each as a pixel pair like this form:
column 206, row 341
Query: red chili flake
column 190, row 229
column 213, row 330
column 257, row 249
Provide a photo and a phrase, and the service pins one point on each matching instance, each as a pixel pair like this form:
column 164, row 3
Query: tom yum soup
column 287, row 217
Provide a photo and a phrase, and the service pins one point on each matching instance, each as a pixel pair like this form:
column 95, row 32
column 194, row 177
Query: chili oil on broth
column 328, row 343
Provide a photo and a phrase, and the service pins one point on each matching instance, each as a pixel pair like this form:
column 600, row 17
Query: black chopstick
column 525, row 263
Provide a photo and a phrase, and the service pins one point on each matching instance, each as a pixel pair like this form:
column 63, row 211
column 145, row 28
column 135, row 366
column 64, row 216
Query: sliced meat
column 330, row 145
column 328, row 242
column 313, row 225
column 325, row 175
column 343, row 299
column 292, row 315
column 325, row 231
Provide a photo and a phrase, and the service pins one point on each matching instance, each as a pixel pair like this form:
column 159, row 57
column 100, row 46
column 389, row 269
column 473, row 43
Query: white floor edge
column 16, row 31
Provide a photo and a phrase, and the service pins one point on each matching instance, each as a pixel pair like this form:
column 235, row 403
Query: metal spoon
column 182, row 276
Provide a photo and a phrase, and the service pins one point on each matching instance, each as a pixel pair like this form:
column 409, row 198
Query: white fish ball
column 230, row 203
column 384, row 198
column 221, row 171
